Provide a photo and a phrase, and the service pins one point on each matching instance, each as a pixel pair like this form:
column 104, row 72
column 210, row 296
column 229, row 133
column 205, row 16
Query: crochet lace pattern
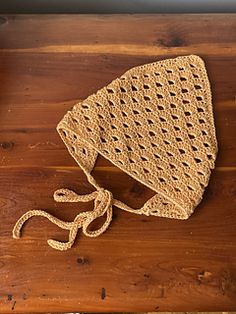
column 156, row 124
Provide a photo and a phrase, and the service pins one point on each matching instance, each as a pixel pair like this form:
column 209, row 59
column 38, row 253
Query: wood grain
column 47, row 64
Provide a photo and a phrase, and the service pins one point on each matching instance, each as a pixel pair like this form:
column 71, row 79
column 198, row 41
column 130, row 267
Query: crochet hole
column 172, row 166
column 158, row 84
column 141, row 146
column 191, row 136
column 179, row 139
column 137, row 123
column 145, row 75
column 146, row 170
column 189, row 125
column 115, row 138
column 97, row 104
column 187, row 175
column 162, row 119
column 200, row 173
column 110, row 103
column 114, row 127
column 139, row 135
column 197, row 86
column 134, row 100
column 175, row 178
column 129, row 148
column 204, row 132
column 181, row 151
column 134, row 77
column 199, row 98
column 201, row 121
column 127, row 136
column 210, row 157
column 100, row 116
column 169, row 71
column 60, row 194
column 171, row 82
column 144, row 158
column 121, row 162
column 195, row 75
column 185, row 101
column 166, row 142
column 117, row 150
column 157, row 156
column 103, row 140
column 84, row 151
column 185, row 164
column 148, row 110
column 163, row 130
column 150, row 181
column 124, row 114
column 157, row 73
column 162, row 180
column 172, row 94
column 159, row 168
column 192, row 65
column 159, row 96
column 174, row 117
column 177, row 190
column 187, row 113
column 200, row 109
column 122, row 102
column 136, row 112
column 88, row 129
column 176, row 128
column 150, row 121
column 160, row 107
column 84, row 106
column 206, row 144
column 74, row 120
column 184, row 90
column 122, row 90
column 153, row 144
column 181, row 68
column 182, row 78
column 146, row 98
column 75, row 136
column 86, row 118
column 134, row 89
column 151, row 133
column 169, row 154
column 131, row 161
column 194, row 148
column 173, row 106
column 101, row 128
column 190, row 188
column 110, row 91
column 73, row 148
column 197, row 160
column 64, row 133
column 125, row 125
column 145, row 86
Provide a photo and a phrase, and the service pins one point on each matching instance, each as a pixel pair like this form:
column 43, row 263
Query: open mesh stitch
column 156, row 124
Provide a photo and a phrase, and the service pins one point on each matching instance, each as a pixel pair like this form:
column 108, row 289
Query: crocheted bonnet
column 156, row 124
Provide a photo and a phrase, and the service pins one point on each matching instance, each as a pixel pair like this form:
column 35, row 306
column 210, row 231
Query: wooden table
column 47, row 64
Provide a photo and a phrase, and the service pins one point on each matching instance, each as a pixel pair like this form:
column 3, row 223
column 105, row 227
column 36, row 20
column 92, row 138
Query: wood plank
column 152, row 261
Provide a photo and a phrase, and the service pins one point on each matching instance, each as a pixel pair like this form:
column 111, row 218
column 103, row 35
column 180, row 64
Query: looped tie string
column 103, row 201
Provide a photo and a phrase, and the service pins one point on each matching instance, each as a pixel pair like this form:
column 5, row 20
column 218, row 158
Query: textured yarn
column 156, row 124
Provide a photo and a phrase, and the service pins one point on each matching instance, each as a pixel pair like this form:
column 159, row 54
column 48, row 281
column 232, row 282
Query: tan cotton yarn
column 156, row 124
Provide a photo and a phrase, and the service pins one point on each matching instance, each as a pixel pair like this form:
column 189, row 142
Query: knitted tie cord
column 156, row 124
